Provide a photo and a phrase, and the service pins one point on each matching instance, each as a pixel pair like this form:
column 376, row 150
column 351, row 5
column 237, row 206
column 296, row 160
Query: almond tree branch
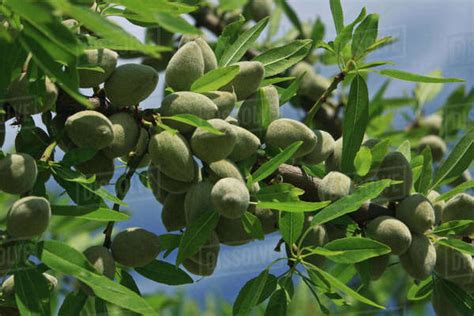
column 295, row 176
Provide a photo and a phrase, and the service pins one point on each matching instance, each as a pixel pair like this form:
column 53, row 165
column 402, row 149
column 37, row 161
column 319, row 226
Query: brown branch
column 295, row 176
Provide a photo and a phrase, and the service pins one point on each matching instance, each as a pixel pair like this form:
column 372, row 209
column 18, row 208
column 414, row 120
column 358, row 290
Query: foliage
column 331, row 246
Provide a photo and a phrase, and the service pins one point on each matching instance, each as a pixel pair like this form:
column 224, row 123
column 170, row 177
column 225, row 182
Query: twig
column 132, row 167
column 314, row 109
column 295, row 175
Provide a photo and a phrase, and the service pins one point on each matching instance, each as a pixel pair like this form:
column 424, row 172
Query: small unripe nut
column 231, row 232
column 172, row 214
column 230, row 197
column 324, row 148
column 185, row 67
column 454, row 265
column 185, row 102
column 102, row 167
column 460, row 207
column 8, row 286
column 334, row 160
column 126, row 132
column 391, row 232
column 135, row 247
column 28, row 217
column 420, row 259
column 102, row 261
column 334, row 185
column 396, row 167
column 172, row 155
column 18, row 173
column 417, row 213
column 225, row 102
column 246, row 144
column 284, row 132
column 198, row 201
column 436, row 144
column 130, row 84
column 437, row 206
column 25, row 103
column 252, row 112
column 248, row 80
column 223, row 169
column 163, row 182
column 210, row 147
column 104, row 58
column 90, row 129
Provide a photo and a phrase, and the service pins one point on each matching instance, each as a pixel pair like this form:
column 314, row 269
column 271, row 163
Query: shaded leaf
column 196, row 235
column 164, row 272
column 291, row 226
column 252, row 225
column 294, row 206
column 91, row 212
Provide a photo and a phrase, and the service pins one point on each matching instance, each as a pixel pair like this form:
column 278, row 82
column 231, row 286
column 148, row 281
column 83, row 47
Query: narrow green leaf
column 337, row 15
column 252, row 225
column 291, row 226
column 291, row 91
column 279, row 192
column 363, row 161
column 76, row 156
column 457, row 244
column 345, row 35
column 64, row 259
column 424, row 181
column 356, row 119
column 156, row 6
column 196, row 235
column 291, row 14
column 453, row 228
column 351, row 203
column 455, row 295
column 111, row 35
column 215, row 79
column 277, row 305
column 294, row 206
column 425, row 92
column 459, row 189
column 420, row 291
column 365, row 35
column 164, row 272
column 275, row 80
column 254, row 292
column 375, row 64
column 403, row 75
column 278, row 59
column 344, row 288
column 125, row 279
column 351, row 250
column 195, row 121
column 405, row 149
column 272, row 165
column 91, row 212
column 458, row 160
column 37, row 44
column 175, row 24
column 31, row 292
column 238, row 49
column 230, row 5
column 73, row 304
column 229, row 35
column 100, row 307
